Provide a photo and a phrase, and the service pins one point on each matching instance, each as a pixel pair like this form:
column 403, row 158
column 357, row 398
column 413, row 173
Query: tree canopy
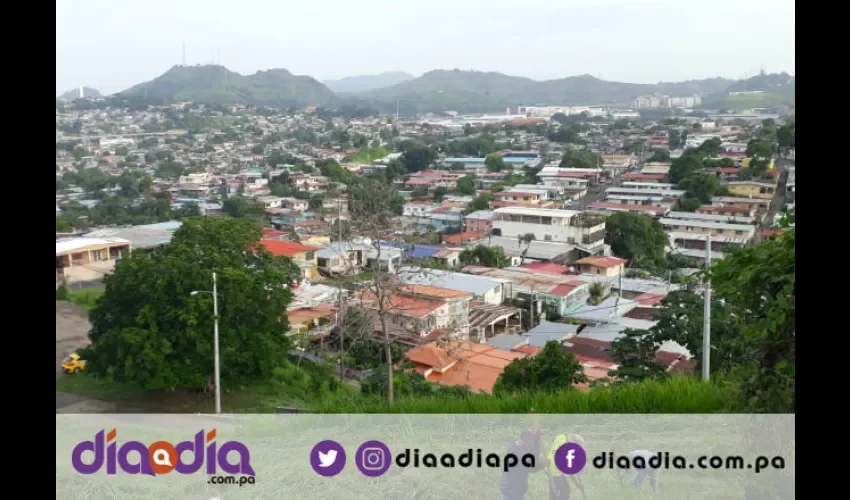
column 482, row 255
column 636, row 237
column 149, row 330
column 552, row 370
column 466, row 185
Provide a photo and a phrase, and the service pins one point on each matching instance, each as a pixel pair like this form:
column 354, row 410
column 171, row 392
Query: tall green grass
column 85, row 298
column 677, row 395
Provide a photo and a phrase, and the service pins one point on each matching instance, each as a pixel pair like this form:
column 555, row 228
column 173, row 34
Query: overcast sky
column 112, row 45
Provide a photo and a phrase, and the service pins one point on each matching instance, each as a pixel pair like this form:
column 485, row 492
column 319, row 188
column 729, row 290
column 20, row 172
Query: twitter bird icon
column 327, row 458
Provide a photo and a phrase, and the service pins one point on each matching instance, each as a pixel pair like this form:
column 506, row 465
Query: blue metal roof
column 413, row 250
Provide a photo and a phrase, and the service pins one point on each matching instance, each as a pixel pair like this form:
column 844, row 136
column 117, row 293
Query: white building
column 550, row 225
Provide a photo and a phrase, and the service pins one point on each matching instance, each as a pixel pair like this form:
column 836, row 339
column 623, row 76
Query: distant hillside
column 364, row 83
column 777, row 83
column 470, row 91
column 213, row 83
column 88, row 93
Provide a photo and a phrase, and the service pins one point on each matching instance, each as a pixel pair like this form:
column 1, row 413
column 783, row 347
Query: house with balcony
column 555, row 293
column 568, row 178
column 81, row 259
column 304, row 256
column 731, row 219
column 752, row 189
column 692, row 226
column 583, row 231
column 727, row 211
column 757, row 204
column 517, row 197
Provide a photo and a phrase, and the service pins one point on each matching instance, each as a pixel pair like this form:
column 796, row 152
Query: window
column 547, row 237
column 309, row 255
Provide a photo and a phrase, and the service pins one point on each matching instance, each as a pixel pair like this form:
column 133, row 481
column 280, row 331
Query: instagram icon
column 373, row 458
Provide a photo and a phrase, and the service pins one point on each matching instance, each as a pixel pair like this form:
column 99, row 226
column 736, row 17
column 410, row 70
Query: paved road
column 779, row 198
column 594, row 194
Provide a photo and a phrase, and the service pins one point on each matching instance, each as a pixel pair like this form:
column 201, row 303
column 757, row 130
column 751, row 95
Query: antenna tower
column 184, row 53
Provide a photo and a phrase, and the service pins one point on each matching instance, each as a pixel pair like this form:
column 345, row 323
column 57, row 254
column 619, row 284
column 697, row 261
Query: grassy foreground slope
column 676, row 395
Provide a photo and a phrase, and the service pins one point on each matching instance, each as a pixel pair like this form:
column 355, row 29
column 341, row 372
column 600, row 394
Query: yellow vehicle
column 73, row 364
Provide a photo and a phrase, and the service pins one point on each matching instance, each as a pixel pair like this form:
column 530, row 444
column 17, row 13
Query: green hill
column 88, row 93
column 747, row 101
column 774, row 83
column 213, row 83
column 470, row 91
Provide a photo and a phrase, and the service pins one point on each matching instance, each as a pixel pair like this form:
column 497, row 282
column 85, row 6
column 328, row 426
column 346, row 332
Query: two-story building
column 752, row 189
column 563, row 226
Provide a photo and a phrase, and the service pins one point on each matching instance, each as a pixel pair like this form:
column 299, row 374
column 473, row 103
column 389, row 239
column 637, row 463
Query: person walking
column 644, row 471
column 514, row 482
column 559, row 483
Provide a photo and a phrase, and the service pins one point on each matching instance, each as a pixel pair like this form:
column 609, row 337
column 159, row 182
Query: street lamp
column 214, row 293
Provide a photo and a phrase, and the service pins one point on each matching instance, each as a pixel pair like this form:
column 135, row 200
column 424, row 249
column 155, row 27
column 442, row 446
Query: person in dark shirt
column 514, row 483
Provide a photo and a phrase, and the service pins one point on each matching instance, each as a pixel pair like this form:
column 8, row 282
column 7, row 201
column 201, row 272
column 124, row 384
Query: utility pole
column 706, row 321
column 619, row 295
column 339, row 322
column 215, row 346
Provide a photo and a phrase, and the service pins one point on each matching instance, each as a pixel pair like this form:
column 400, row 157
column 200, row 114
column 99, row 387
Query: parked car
column 73, row 364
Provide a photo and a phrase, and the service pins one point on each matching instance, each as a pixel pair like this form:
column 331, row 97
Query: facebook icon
column 570, row 458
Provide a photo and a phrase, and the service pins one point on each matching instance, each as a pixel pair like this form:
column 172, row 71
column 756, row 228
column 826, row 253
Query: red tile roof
column 649, row 299
column 286, row 248
column 565, row 289
column 547, row 268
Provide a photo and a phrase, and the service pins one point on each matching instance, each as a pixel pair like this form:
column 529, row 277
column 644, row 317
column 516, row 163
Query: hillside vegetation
column 88, row 93
column 212, row 83
column 364, row 83
column 441, row 90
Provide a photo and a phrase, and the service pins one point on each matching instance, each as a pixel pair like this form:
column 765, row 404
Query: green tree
column 634, row 351
column 702, row 186
column 147, row 328
column 580, row 158
column 494, row 163
column 418, row 159
column 636, row 237
column 482, row 255
column 440, row 193
column 758, row 285
column 759, row 149
column 786, row 135
column 466, row 185
column 481, row 202
column 660, row 155
column 397, row 205
column 62, row 225
column 316, row 202
column 552, row 370
column 684, row 166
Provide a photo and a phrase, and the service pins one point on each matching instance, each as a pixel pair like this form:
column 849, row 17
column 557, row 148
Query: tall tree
column 494, row 163
column 636, row 237
column 552, row 370
column 149, row 330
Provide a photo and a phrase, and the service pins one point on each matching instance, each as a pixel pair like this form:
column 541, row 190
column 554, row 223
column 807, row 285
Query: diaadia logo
column 162, row 457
